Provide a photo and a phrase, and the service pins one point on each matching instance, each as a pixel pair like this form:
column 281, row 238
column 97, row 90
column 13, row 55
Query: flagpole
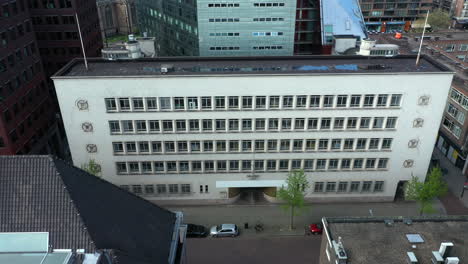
column 81, row 39
column 422, row 38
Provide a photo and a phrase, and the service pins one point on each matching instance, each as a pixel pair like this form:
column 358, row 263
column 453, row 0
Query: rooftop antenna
column 81, row 39
column 422, row 38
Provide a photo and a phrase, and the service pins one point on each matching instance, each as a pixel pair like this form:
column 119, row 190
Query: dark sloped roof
column 79, row 210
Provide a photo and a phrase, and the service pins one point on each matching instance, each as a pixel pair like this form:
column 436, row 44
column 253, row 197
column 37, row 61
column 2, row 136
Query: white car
column 224, row 230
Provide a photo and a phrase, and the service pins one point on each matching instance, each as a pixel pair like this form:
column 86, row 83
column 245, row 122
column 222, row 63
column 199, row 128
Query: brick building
column 27, row 122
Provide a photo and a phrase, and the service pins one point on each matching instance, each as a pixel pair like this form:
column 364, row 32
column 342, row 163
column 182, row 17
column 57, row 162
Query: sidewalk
column 455, row 180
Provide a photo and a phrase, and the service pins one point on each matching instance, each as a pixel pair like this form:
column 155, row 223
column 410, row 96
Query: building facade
column 27, row 122
column 384, row 16
column 206, row 131
column 458, row 10
column 116, row 17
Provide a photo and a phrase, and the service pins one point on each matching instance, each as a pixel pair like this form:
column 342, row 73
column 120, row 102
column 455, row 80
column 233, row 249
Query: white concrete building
column 206, row 128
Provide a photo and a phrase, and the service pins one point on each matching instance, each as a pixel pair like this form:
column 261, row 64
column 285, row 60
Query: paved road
column 271, row 250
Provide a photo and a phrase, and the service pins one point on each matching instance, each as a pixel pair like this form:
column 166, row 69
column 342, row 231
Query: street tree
column 438, row 19
column 293, row 194
column 424, row 193
column 92, row 167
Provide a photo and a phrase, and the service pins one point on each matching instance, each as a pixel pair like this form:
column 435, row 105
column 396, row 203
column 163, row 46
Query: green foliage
column 439, row 19
column 425, row 192
column 293, row 194
column 92, row 167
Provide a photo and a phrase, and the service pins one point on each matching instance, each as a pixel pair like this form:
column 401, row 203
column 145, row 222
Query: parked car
column 196, row 231
column 224, row 230
column 315, row 229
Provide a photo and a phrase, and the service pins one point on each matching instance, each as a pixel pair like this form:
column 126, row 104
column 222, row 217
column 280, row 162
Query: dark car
column 196, row 231
column 315, row 229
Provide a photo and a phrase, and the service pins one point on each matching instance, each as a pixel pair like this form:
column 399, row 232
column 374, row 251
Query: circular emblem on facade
column 408, row 163
column 91, row 148
column 413, row 143
column 418, row 122
column 424, row 100
column 87, row 127
column 82, row 104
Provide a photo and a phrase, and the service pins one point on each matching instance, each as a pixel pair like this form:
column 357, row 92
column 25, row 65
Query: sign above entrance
column 239, row 184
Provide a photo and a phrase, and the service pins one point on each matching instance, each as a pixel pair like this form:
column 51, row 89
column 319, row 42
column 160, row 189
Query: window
column 321, row 164
column 365, row 122
column 366, row 186
column 310, row 144
column 124, row 104
column 355, row 101
column 328, row 101
column 354, row 187
column 220, row 125
column 333, row 164
column 220, row 102
column 342, row 186
column 194, row 125
column 195, row 146
column 297, row 144
column 221, row 165
column 182, row 146
column 209, row 165
column 260, row 124
column 110, row 104
column 318, row 187
column 391, row 122
column 173, row 188
column 374, row 143
column 138, row 104
column 121, row 167
column 127, row 126
column 284, row 164
column 140, row 125
column 118, row 147
column 206, row 102
column 387, row 143
column 134, row 167
column 395, row 100
column 246, row 145
column 158, row 166
column 336, row 144
column 271, row 165
column 233, row 102
column 149, row 189
column 233, row 124
column 259, row 145
column 286, row 124
column 207, row 146
column 192, row 103
column 288, row 101
column 233, row 145
column 179, row 103
column 233, row 165
column 358, row 163
column 323, row 144
column 361, row 143
column 143, row 146
column 339, row 123
column 272, row 145
column 165, row 103
column 221, row 146
column 161, row 188
column 378, row 122
column 169, row 146
column 247, row 102
column 382, row 163
column 151, row 103
column 345, row 164
column 341, row 100
column 369, row 100
column 114, row 126
column 301, row 101
column 274, row 102
column 246, row 124
column 207, row 124
column 259, row 165
column 370, row 164
column 154, row 125
column 312, row 123
column 308, row 164
column 196, row 166
column 167, row 125
column 331, row 186
column 273, row 123
column 260, row 102
column 325, row 123
column 382, row 100
column 314, row 101
column 146, row 167
column 378, row 186
column 295, row 164
column 156, row 146
column 246, row 165
column 285, row 144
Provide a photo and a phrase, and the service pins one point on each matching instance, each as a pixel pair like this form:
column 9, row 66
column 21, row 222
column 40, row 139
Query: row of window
column 11, row 9
column 237, row 5
column 10, row 86
column 455, row 113
column 267, row 47
column 267, row 34
column 13, row 59
column 14, row 32
column 452, row 47
column 159, row 189
column 38, row 4
column 224, row 20
column 58, row 35
column 225, row 48
column 224, row 34
column 352, row 187
column 460, row 98
column 252, row 102
column 248, row 125
column 270, row 145
column 53, row 20
column 272, row 165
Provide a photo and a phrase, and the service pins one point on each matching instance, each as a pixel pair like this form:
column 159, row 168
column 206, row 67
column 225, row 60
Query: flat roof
column 370, row 240
column 290, row 65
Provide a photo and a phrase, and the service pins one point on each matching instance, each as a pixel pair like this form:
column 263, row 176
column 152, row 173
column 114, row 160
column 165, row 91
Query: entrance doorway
column 255, row 195
column 400, row 191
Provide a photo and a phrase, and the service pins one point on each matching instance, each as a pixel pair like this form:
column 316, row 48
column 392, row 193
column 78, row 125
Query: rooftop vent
column 452, row 260
column 445, row 249
column 407, row 221
column 389, row 222
column 377, row 67
column 437, row 258
column 411, row 258
column 165, row 68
